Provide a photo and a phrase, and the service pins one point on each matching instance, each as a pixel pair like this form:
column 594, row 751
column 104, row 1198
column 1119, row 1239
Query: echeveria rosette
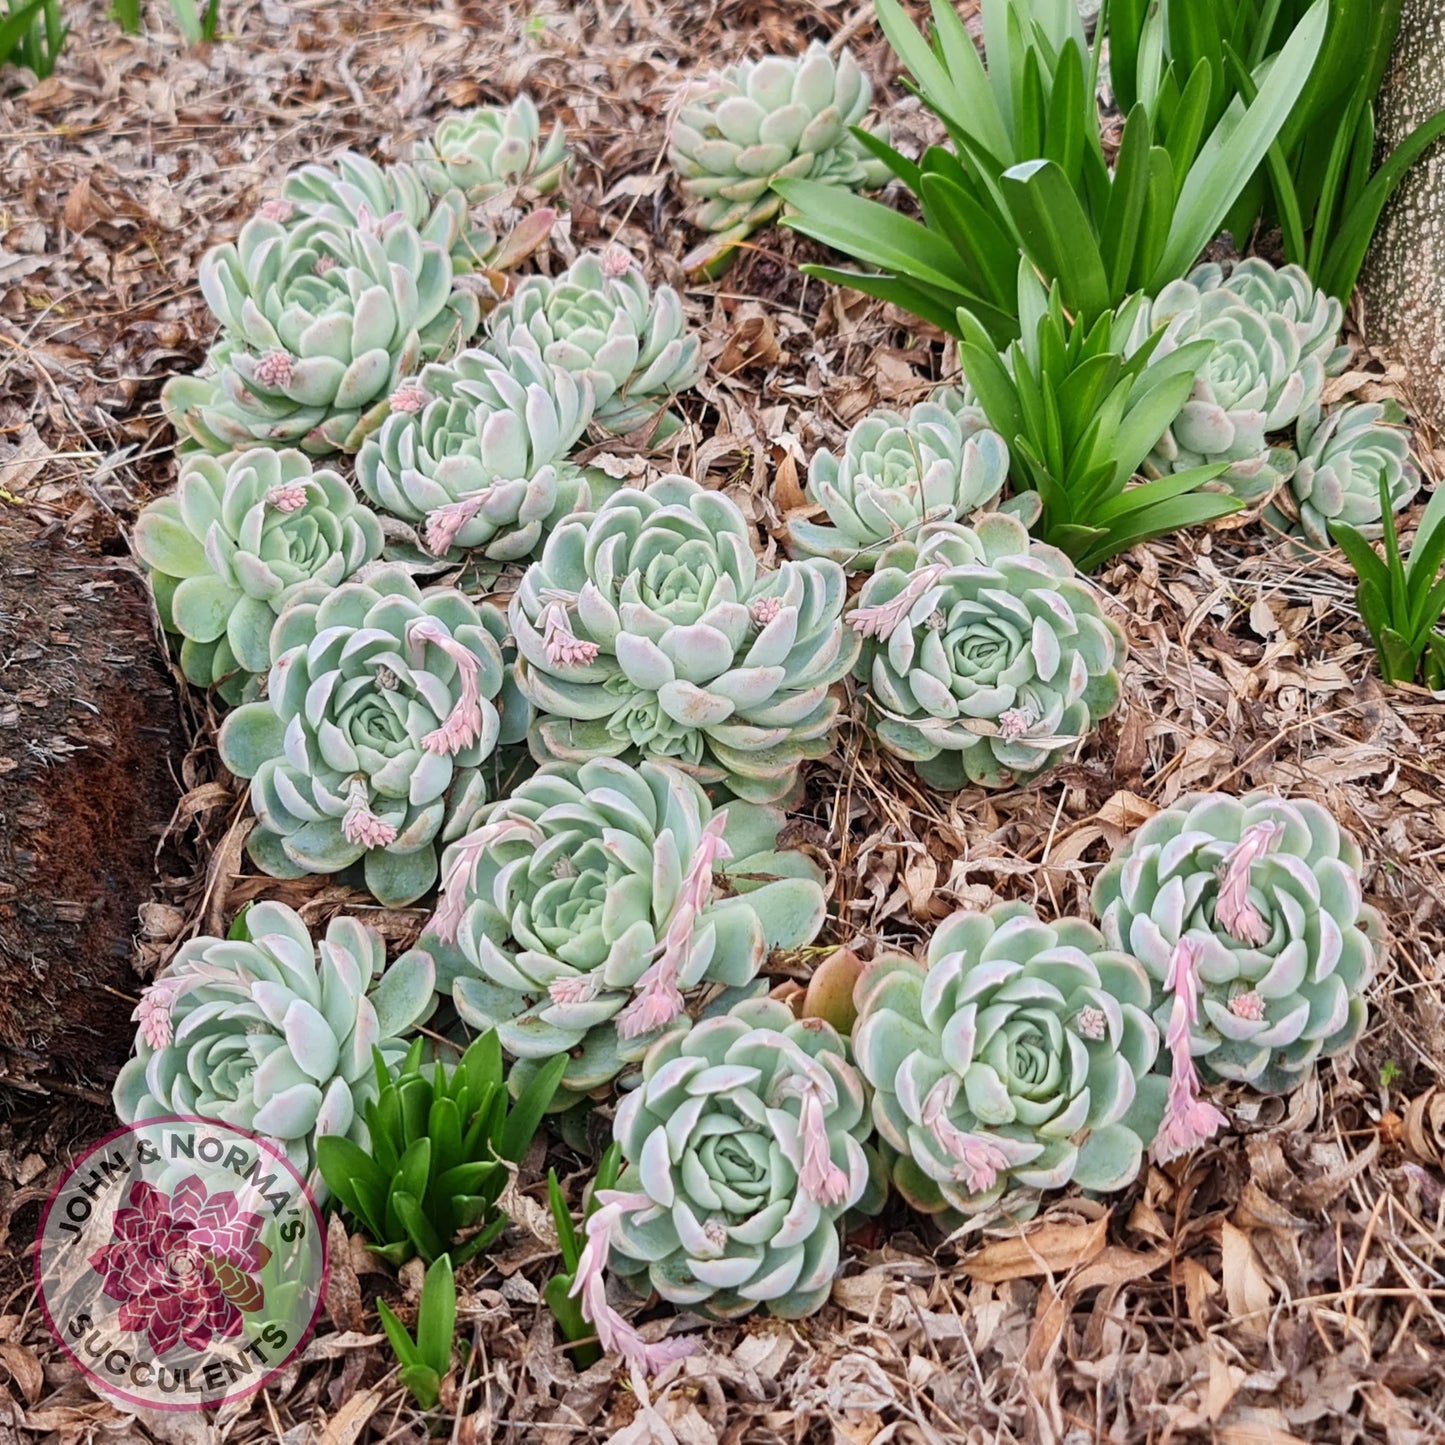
column 1257, row 381
column 1017, row 1060
column 490, row 150
column 474, row 455
column 228, row 548
column 320, row 321
column 382, row 707
column 586, row 911
column 745, row 1143
column 939, row 463
column 601, row 321
column 986, row 658
column 350, row 190
column 649, row 630
column 1287, row 291
column 1344, row 457
column 1265, row 894
column 761, row 121
column 273, row 1033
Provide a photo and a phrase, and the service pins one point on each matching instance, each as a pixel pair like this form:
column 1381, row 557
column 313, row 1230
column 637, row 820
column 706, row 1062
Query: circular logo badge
column 181, row 1263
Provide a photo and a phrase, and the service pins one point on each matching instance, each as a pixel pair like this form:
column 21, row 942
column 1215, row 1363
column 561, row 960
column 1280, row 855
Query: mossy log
column 1404, row 278
column 88, row 761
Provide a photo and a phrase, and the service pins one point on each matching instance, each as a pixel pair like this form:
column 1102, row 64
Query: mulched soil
column 1283, row 1285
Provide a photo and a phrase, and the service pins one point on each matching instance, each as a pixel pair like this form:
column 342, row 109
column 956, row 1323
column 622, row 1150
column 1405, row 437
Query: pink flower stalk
column 445, row 524
column 410, row 396
column 657, row 999
column 980, row 1160
column 1248, row 1006
column 564, row 647
column 883, row 620
column 765, row 609
column 274, row 369
column 1233, row 908
column 277, row 210
column 616, row 261
column 582, row 989
column 461, row 877
column 1014, row 723
column 288, row 498
column 463, row 725
column 1092, row 1022
column 360, row 824
column 153, row 1012
column 818, row 1176
column 1188, row 1119
column 613, row 1332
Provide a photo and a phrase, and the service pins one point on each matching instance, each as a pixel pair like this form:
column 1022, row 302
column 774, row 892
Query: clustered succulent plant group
column 592, row 784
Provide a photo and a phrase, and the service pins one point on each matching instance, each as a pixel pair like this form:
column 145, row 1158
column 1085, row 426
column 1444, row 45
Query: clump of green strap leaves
column 426, row 1360
column 442, row 1141
column 1027, row 171
column 1080, row 408
column 32, row 35
column 567, row 1310
column 1319, row 183
column 1402, row 598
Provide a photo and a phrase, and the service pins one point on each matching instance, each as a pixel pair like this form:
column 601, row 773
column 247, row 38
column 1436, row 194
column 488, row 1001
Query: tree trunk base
column 89, row 755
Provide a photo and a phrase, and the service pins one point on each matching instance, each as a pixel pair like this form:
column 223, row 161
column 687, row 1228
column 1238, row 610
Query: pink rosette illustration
column 182, row 1266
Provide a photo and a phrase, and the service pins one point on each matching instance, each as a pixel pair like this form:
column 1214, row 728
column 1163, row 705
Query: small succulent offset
column 648, row 629
column 940, row 463
column 1266, row 371
column 320, row 321
column 987, row 659
column 600, row 320
column 745, row 1143
column 435, row 1164
column 761, row 121
column 1346, row 458
column 382, row 707
column 230, row 546
column 1247, row 914
column 1018, row 1060
column 492, row 149
column 474, row 455
column 273, row 1033
column 582, row 914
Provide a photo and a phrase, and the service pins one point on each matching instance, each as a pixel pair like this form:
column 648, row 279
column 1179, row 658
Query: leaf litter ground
column 1286, row 1284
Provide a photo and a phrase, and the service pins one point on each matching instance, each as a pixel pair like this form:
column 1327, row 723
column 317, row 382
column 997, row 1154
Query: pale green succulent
column 648, row 629
column 490, row 150
column 320, row 322
column 271, row 1034
column 986, row 658
column 1344, row 457
column 586, row 911
column 350, row 190
column 760, row 121
column 1287, row 291
column 939, row 463
column 745, row 1143
column 1257, row 381
column 600, row 320
column 474, row 455
column 229, row 547
column 1017, row 1060
column 1268, row 892
column 383, row 706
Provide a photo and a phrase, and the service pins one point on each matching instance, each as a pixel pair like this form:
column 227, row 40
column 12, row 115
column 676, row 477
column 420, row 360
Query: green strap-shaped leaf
column 526, row 1114
column 437, row 1316
column 1058, row 235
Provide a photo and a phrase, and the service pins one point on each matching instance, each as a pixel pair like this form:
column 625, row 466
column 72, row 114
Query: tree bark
column 1404, row 278
column 88, row 755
